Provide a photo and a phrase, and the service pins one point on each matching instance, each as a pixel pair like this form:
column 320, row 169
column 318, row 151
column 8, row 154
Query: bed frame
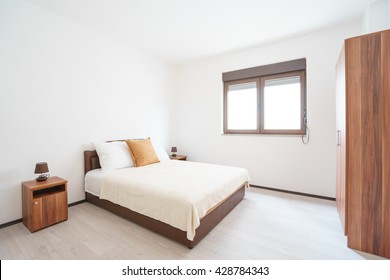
column 207, row 223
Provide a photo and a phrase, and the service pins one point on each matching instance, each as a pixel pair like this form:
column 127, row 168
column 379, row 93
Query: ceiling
column 180, row 31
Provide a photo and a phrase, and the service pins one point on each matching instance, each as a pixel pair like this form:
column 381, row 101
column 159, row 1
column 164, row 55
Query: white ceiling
column 179, row 31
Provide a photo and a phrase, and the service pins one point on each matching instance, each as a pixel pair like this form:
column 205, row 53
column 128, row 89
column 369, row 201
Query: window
column 242, row 102
column 268, row 99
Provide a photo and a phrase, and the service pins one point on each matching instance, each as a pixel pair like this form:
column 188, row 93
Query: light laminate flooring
column 265, row 225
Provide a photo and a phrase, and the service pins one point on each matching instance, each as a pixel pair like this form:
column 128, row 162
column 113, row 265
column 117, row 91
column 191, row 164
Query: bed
column 184, row 235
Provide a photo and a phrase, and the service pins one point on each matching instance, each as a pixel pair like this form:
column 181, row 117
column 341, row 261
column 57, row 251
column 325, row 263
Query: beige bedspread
column 175, row 192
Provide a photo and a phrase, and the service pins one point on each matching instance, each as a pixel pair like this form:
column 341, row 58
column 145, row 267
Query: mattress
column 93, row 181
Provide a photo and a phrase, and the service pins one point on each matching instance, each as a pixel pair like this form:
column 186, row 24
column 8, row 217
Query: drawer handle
column 35, row 202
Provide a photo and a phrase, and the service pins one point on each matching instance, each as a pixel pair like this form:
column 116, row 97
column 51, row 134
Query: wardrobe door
column 385, row 50
column 365, row 136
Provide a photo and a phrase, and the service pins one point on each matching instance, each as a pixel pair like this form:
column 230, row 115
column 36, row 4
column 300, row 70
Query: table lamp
column 174, row 151
column 42, row 169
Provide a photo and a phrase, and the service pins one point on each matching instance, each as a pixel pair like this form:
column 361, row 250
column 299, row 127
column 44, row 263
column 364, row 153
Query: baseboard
column 21, row 220
column 77, row 202
column 11, row 223
column 296, row 193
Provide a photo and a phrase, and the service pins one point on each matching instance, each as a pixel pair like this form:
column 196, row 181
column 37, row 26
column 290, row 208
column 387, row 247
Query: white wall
column 63, row 86
column 377, row 16
column 273, row 161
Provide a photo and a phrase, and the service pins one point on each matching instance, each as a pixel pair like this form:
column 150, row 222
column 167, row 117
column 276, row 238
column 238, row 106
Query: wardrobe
column 363, row 142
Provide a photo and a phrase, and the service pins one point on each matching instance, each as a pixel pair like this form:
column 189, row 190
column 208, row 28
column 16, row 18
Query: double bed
column 178, row 199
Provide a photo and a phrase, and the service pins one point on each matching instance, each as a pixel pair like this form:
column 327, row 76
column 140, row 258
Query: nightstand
column 44, row 203
column 178, row 157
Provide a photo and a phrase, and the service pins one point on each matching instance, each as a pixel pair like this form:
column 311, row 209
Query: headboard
column 91, row 161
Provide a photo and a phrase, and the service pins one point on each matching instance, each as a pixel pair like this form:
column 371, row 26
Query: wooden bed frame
column 207, row 223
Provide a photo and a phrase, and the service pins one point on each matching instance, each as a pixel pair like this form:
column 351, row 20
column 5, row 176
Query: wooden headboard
column 91, row 161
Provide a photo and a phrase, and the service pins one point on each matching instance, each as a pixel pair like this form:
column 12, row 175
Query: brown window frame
column 260, row 75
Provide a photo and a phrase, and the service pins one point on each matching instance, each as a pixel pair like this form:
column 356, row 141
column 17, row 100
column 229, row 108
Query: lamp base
column 41, row 178
column 174, row 155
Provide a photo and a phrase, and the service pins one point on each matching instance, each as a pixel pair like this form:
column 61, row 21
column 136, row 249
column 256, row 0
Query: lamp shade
column 41, row 167
column 173, row 149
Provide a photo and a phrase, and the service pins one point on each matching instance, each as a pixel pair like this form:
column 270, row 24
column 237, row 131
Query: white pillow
column 160, row 152
column 113, row 155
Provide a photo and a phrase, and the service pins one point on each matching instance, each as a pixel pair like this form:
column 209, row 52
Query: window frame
column 226, row 88
column 260, row 75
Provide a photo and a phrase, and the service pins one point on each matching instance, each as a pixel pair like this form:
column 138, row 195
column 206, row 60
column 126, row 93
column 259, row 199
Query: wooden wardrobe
column 363, row 142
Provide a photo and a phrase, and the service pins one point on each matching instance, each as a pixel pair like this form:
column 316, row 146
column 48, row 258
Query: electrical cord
column 307, row 134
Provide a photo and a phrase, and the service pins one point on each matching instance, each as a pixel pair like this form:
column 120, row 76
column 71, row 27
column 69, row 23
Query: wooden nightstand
column 44, row 203
column 178, row 157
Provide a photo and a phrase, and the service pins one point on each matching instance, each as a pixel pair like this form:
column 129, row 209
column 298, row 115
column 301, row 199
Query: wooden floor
column 265, row 225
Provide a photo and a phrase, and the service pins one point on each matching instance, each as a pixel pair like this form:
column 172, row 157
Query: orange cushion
column 142, row 152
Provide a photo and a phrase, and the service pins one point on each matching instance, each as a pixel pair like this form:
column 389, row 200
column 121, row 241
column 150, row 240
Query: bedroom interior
column 92, row 80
